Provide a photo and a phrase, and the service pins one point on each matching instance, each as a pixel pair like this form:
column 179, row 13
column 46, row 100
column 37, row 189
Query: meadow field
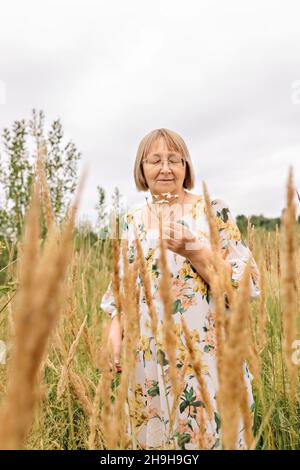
column 57, row 389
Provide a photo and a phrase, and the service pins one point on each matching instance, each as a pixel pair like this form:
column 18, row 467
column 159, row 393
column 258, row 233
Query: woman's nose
column 165, row 166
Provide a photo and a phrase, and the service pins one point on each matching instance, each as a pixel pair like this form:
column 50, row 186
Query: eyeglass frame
column 154, row 164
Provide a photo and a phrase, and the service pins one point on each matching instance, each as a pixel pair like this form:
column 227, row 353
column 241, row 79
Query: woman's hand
column 115, row 335
column 183, row 242
column 180, row 239
column 117, row 366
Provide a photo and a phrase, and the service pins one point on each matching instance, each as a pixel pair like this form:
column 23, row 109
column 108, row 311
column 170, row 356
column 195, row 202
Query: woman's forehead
column 161, row 146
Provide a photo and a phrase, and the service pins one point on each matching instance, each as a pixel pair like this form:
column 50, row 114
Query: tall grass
column 58, row 391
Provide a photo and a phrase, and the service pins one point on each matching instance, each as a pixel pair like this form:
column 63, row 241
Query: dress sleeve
column 107, row 303
column 236, row 251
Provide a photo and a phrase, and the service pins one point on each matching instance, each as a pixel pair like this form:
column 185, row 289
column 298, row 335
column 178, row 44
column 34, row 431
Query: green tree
column 118, row 210
column 17, row 167
column 16, row 173
column 61, row 163
column 102, row 222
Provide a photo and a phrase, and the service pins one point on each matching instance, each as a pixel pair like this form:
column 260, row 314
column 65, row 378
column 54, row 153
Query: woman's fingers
column 178, row 233
column 116, row 366
column 170, row 231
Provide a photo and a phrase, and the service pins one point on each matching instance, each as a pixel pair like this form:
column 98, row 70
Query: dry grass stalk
column 64, row 373
column 262, row 312
column 80, row 389
column 253, row 356
column 268, row 253
column 250, row 234
column 232, row 390
column 131, row 315
column 289, row 283
column 125, row 280
column 50, row 364
column 58, row 344
column 246, row 415
column 91, row 344
column 196, row 363
column 217, row 265
column 220, row 284
column 277, row 250
column 44, row 188
column 202, row 430
column 106, row 413
column 145, row 275
column 165, row 292
column 116, row 282
column 181, row 381
column 94, row 415
column 19, row 414
column 216, row 291
column 131, row 337
column 36, row 311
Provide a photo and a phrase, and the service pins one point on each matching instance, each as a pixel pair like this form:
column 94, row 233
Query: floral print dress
column 193, row 300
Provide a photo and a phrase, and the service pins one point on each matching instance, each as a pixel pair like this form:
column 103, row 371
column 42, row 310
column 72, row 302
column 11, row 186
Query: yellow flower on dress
column 181, row 357
column 200, row 285
column 201, row 233
column 232, row 232
column 147, row 324
column 195, row 208
column 220, row 224
column 186, row 270
column 159, row 338
column 204, row 366
column 195, row 337
column 194, row 211
column 149, row 259
column 129, row 218
column 137, row 407
column 144, row 347
column 182, row 354
column 177, row 328
column 138, row 391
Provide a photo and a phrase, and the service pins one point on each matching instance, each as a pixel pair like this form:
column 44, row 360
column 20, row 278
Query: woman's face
column 166, row 178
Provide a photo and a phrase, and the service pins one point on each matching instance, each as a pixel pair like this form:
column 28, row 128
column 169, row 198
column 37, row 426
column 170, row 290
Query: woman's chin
column 165, row 184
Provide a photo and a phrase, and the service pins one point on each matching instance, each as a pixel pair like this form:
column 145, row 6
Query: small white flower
column 166, row 196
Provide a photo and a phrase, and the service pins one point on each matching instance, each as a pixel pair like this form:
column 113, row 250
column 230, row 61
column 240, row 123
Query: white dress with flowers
column 192, row 300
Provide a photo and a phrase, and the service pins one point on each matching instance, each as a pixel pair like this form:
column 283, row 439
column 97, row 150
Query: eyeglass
column 155, row 161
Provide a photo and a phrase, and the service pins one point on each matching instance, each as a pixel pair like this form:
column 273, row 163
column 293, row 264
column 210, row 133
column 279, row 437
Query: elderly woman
column 163, row 166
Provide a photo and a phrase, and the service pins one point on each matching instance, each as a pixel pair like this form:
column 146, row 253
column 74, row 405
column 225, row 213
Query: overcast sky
column 224, row 75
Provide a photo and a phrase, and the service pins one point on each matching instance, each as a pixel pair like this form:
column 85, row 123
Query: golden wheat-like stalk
column 232, row 391
column 165, row 291
column 131, row 336
column 35, row 313
column 289, row 282
column 44, row 188
column 94, row 415
column 198, row 369
column 262, row 312
column 147, row 285
column 65, row 369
